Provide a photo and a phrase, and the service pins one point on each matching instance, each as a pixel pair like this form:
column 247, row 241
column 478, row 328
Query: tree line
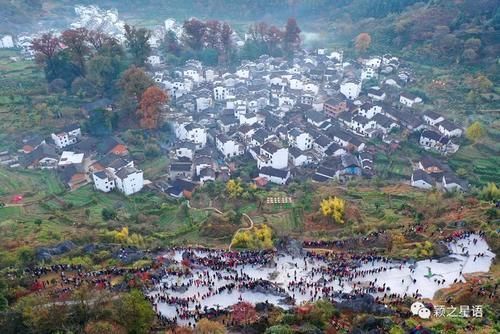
column 212, row 42
column 89, row 63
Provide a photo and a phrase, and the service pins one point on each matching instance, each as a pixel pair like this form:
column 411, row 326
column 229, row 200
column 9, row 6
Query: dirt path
column 221, row 213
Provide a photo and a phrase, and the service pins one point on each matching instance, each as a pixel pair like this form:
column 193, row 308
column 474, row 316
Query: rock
column 447, row 259
column 440, row 250
column 291, row 246
column 361, row 304
column 46, row 253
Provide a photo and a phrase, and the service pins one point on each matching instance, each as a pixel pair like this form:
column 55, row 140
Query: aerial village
column 312, row 117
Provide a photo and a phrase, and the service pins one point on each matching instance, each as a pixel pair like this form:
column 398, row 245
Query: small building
column 432, row 118
column 409, row 99
column 452, row 183
column 421, row 180
column 278, row 176
column 449, row 129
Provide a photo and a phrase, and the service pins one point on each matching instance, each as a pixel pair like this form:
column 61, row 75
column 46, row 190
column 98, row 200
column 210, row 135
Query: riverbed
column 288, row 276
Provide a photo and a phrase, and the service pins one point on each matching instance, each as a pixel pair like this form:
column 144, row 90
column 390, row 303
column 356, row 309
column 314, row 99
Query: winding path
column 188, row 203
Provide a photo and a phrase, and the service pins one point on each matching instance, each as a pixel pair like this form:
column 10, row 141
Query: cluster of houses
column 311, row 116
column 79, row 160
column 432, row 173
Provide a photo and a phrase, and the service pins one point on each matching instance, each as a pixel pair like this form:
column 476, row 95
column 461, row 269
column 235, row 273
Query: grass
column 480, row 163
column 34, row 184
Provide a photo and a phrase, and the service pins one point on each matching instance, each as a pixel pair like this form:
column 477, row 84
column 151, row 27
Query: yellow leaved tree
column 333, row 207
column 234, row 188
column 258, row 237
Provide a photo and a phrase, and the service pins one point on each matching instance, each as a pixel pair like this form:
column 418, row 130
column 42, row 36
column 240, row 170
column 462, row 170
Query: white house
column 203, row 100
column 272, row 155
column 422, row 180
column 295, row 83
column 71, row 158
column 228, row 146
column 310, row 87
column 185, row 150
column 298, row 157
column 243, row 73
column 273, row 175
column 300, row 139
column 452, row 183
column 368, row 73
column 376, row 94
column 369, row 110
column 220, row 92
column 432, row 140
column 129, row 180
column 432, row 118
column 210, row 75
column 193, row 73
column 409, row 99
column 154, row 60
column 69, row 136
column 6, row 42
column 449, row 129
column 193, row 133
column 104, row 181
column 350, row 89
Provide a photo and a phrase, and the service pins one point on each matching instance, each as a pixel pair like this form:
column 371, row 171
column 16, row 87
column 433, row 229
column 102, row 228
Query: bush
column 108, row 214
column 57, row 86
column 152, row 150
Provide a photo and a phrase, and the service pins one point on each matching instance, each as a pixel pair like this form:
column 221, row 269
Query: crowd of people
column 182, row 285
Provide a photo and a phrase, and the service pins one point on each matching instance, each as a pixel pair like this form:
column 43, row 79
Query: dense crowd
column 186, row 278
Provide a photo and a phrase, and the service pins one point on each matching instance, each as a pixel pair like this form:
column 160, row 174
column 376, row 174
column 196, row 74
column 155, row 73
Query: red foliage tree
column 149, row 107
column 76, row 40
column 194, row 33
column 291, row 36
column 244, row 313
column 225, row 37
column 363, row 42
column 211, row 34
column 45, row 47
column 98, row 39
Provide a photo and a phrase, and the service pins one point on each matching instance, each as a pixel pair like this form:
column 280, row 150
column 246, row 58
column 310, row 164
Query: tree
column 82, row 87
column 244, row 313
column 76, row 41
column 258, row 237
column 473, row 44
column 108, row 214
column 98, row 39
column 134, row 82
column 226, row 34
column 101, row 123
column 291, row 36
column 279, row 329
column 194, row 33
column 149, row 107
column 481, row 83
column 234, row 188
column 205, row 326
column 134, row 312
column 171, row 43
column 469, row 55
column 137, row 41
column 362, row 42
column 475, row 132
column 102, row 71
column 45, row 47
column 333, row 207
column 490, row 192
